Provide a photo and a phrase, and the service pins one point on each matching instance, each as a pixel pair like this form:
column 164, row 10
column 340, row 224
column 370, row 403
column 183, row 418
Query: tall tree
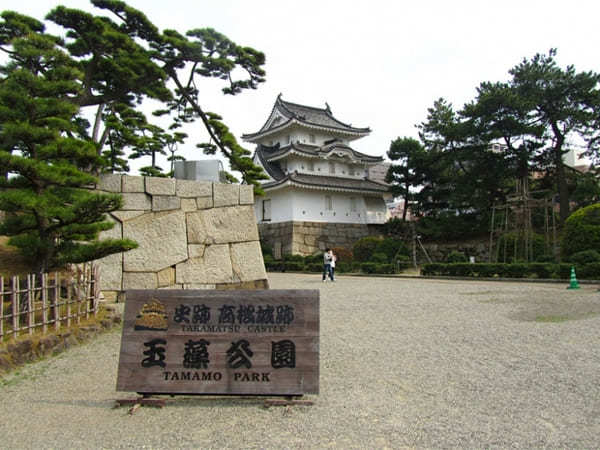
column 408, row 175
column 48, row 151
column 565, row 103
column 125, row 59
column 50, row 218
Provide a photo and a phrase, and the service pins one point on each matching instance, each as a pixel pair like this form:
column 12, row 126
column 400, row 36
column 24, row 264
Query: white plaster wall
column 309, row 206
column 282, row 206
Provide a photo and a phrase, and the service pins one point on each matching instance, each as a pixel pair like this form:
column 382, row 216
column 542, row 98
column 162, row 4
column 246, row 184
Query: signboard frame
column 220, row 342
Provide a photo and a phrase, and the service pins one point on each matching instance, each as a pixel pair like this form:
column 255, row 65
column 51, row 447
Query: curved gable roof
column 304, row 116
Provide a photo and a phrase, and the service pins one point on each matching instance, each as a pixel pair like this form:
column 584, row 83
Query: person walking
column 332, row 265
column 326, row 264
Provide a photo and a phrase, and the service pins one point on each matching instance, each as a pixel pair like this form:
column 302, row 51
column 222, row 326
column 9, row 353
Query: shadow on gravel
column 550, row 310
column 102, row 404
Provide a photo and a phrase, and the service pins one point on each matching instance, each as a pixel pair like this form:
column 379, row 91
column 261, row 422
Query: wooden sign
column 258, row 342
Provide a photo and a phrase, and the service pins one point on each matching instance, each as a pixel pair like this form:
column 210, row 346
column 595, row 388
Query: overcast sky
column 379, row 63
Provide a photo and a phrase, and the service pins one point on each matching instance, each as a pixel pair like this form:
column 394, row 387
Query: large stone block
column 247, row 261
column 136, row 202
column 133, row 184
column 246, row 194
column 165, row 203
column 226, row 194
column 139, row 280
column 214, row 267
column 166, row 277
column 124, row 216
column 160, row 186
column 109, row 182
column 196, row 250
column 222, row 225
column 190, row 188
column 188, row 204
column 161, row 238
column 204, row 202
column 111, row 266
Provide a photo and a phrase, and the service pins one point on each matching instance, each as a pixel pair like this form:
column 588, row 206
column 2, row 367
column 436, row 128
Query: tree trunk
column 561, row 179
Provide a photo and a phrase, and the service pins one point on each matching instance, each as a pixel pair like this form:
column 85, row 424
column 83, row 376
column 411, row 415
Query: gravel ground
column 405, row 363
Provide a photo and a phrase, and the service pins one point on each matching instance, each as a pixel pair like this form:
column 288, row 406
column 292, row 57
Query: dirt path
column 404, row 363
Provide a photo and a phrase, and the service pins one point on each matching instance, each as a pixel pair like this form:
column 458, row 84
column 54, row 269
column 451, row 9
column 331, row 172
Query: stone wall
column 438, row 252
column 191, row 235
column 307, row 238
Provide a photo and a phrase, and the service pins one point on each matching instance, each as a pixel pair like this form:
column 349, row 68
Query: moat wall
column 307, row 238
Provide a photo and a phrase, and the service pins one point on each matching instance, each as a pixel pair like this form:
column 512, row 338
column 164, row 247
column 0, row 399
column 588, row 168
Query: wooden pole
column 56, row 312
column 14, row 298
column 1, row 308
column 44, row 303
column 491, row 234
column 30, row 311
column 69, row 297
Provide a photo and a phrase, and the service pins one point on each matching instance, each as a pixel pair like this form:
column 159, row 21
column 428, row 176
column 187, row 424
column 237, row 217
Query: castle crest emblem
column 152, row 316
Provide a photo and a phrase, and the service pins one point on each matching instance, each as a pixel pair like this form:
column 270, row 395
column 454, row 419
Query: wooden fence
column 48, row 301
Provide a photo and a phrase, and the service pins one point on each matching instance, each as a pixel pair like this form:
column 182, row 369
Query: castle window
column 328, row 203
column 352, row 204
column 332, row 167
column 311, row 138
column 350, row 170
column 266, row 210
column 310, row 166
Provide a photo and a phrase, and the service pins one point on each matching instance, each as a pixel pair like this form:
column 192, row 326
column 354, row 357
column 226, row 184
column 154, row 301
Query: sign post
column 245, row 342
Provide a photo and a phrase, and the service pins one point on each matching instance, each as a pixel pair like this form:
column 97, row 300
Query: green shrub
column 509, row 241
column 368, row 267
column 384, row 268
column 294, row 258
column 581, row 231
column 294, row 266
column 380, row 258
column 266, row 249
column 343, row 254
column 343, row 267
column 314, row 267
column 391, row 247
column 585, row 257
column 314, row 258
column 456, row 257
column 546, row 258
column 364, row 248
column 401, row 266
column 590, row 271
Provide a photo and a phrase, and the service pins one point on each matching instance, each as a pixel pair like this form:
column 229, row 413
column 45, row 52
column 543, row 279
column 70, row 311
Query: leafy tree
column 49, row 151
column 581, row 231
column 462, row 176
column 409, row 174
column 124, row 59
column 50, row 218
column 565, row 103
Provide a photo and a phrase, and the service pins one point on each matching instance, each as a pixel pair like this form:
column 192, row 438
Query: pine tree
column 51, row 216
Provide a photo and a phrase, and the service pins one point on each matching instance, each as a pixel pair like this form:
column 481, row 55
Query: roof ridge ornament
column 327, row 108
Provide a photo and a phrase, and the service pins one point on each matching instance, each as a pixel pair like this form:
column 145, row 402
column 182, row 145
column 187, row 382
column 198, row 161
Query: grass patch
column 551, row 319
column 478, row 293
column 11, row 262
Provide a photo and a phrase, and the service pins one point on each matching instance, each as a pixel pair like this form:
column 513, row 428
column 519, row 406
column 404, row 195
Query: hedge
column 589, row 271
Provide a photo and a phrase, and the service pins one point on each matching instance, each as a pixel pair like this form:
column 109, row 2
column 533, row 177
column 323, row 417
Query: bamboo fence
column 50, row 301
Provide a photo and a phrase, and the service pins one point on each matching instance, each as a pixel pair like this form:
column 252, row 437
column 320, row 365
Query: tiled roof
column 328, row 183
column 305, row 115
column 276, row 152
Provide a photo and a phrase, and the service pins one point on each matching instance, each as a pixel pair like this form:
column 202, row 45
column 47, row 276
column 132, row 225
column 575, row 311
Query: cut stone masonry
column 191, row 235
